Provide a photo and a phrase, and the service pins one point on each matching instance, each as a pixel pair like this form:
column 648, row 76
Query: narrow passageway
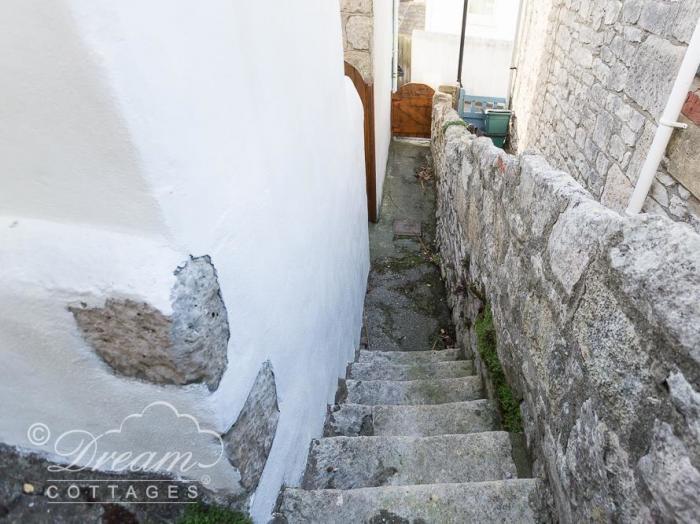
column 413, row 436
column 406, row 307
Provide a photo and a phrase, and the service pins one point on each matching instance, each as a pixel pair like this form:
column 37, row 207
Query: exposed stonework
column 357, row 22
column 247, row 444
column 598, row 323
column 592, row 80
column 137, row 340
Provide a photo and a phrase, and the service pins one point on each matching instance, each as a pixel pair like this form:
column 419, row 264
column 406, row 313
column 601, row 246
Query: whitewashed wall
column 485, row 67
column 135, row 134
column 486, row 18
column 490, row 32
column 382, row 51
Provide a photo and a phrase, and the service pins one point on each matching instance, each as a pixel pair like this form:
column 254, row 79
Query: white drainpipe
column 667, row 123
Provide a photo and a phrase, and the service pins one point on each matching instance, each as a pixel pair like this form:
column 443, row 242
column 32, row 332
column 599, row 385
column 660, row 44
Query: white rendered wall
column 490, row 32
column 133, row 134
column 382, row 51
column 486, row 18
column 485, row 68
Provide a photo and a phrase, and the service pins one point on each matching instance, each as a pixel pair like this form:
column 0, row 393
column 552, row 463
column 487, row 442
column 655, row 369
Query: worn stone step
column 416, row 371
column 408, row 357
column 353, row 420
column 366, row 462
column 402, row 392
column 483, row 502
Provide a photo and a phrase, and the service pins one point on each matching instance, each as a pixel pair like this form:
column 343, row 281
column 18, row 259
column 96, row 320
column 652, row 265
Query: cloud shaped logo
column 158, row 439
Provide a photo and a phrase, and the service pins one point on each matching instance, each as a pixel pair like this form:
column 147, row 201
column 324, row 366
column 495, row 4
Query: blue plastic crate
column 472, row 109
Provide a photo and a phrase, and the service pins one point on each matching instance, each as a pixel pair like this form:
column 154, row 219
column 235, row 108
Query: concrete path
column 412, row 437
column 406, row 308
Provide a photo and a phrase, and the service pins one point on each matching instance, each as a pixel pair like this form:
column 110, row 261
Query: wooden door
column 411, row 110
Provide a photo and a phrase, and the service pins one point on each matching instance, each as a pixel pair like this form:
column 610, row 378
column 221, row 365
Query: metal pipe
column 395, row 49
column 667, row 122
column 515, row 54
column 461, row 42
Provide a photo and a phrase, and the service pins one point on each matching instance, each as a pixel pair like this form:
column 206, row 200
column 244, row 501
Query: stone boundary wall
column 593, row 78
column 598, row 324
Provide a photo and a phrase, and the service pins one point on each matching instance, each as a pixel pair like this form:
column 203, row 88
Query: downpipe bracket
column 677, row 125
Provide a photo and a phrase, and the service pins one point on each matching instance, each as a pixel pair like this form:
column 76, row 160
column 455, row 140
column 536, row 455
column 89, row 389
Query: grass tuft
column 486, row 343
column 202, row 514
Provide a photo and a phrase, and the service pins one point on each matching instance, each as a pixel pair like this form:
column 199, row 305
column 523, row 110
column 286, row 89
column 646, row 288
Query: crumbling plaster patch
column 188, row 346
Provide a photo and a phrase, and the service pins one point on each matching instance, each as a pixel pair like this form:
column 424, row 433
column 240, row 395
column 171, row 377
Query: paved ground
column 405, row 307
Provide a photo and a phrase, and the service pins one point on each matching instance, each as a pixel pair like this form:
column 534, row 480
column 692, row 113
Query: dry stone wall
column 592, row 80
column 598, row 325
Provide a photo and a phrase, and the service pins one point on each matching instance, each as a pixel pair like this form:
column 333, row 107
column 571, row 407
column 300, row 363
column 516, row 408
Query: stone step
column 431, row 391
column 352, row 420
column 390, row 371
column 408, row 357
column 367, row 462
column 483, row 502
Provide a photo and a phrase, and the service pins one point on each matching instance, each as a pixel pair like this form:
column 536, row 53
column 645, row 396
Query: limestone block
column 247, row 444
column 631, row 11
column 603, row 129
column 575, row 239
column 358, row 30
column 356, row 6
column 618, row 190
column 670, row 476
column 655, row 16
column 666, row 277
column 687, row 12
column 652, row 73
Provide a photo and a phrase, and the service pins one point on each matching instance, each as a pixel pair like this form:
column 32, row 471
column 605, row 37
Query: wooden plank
column 366, row 92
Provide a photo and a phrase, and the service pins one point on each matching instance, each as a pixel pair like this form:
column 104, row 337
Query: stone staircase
column 412, row 439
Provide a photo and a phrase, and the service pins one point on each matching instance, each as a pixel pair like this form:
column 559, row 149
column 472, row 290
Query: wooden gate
column 366, row 92
column 411, row 110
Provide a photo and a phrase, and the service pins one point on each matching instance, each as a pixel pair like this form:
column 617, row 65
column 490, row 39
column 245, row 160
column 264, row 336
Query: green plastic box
column 496, row 121
column 498, row 141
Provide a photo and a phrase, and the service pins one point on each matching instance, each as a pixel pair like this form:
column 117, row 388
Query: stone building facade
column 592, row 80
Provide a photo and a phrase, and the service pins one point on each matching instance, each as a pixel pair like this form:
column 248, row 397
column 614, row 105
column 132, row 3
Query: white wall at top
column 382, row 50
column 490, row 31
column 485, row 66
column 133, row 134
column 485, row 18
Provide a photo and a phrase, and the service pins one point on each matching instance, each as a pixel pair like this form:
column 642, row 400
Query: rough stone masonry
column 357, row 24
column 598, row 324
column 592, row 79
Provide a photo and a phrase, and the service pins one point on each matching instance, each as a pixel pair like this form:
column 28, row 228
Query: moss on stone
column 202, row 514
column 450, row 123
column 486, row 344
